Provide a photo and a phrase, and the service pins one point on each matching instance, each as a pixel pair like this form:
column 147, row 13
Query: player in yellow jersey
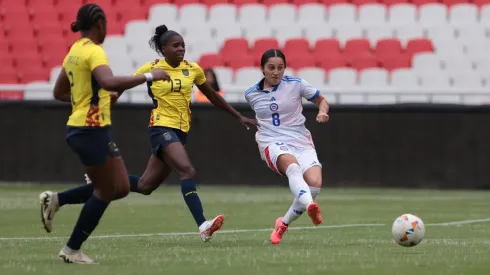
column 169, row 124
column 85, row 80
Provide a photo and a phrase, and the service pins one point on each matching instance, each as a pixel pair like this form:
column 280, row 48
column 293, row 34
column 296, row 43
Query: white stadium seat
column 477, row 50
column 402, row 15
column 163, row 12
column 463, row 14
column 426, row 62
column 472, row 34
column 200, row 32
column 314, row 76
column 441, row 33
column 467, row 81
column 283, row 33
column 282, row 15
column 347, row 33
column 38, row 90
column 254, row 32
column 246, row 77
column 252, row 14
column 139, row 94
column 485, row 15
column 433, row 14
column 406, row 33
column 115, row 44
column 227, row 32
column 222, row 14
column 457, row 63
column 55, row 72
column 310, row 15
column 192, row 15
column 318, row 32
column 373, row 77
column 138, row 30
column 372, row 15
column 448, row 48
column 407, row 85
column 482, row 65
column 437, row 80
column 140, row 58
column 379, row 32
column 224, row 75
column 342, row 77
column 342, row 14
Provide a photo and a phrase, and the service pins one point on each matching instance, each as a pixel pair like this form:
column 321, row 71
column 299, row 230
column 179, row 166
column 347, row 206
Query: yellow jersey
column 91, row 105
column 171, row 100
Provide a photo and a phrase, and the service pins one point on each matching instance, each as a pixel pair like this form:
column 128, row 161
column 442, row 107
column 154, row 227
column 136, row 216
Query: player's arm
column 323, row 108
column 62, row 91
column 220, row 102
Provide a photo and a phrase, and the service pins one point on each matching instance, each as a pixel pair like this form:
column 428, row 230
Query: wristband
column 149, row 77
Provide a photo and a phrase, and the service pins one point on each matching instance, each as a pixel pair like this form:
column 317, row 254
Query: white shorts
column 306, row 157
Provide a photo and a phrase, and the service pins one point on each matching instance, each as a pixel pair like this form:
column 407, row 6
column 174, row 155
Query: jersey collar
column 260, row 86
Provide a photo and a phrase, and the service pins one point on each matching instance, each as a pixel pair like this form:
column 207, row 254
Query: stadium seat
column 395, row 62
column 343, row 34
column 262, row 45
column 115, row 44
column 281, row 15
column 252, row 15
column 419, row 3
column 415, row 46
column 314, row 76
column 38, row 90
column 363, row 2
column 32, row 74
column 274, row 2
column 356, row 47
column 300, row 61
column 404, row 78
column 193, row 33
column 451, row 3
column 8, row 74
column 390, row 47
column 373, row 77
column 466, row 80
column 55, row 71
column 441, row 33
column 303, row 2
column 317, row 32
column 247, row 76
column 240, row 3
column 426, row 62
column 481, row 3
column 482, row 65
column 227, row 32
column 373, row 14
column 191, row 15
column 167, row 11
column 390, row 3
column 240, row 61
column 211, row 3
column 253, row 33
column 222, row 14
column 234, row 46
column 224, row 75
column 138, row 30
column 406, row 33
column 284, row 33
column 458, row 64
column 326, row 46
column 342, row 15
column 295, row 46
column 463, row 14
column 364, row 61
column 436, row 80
column 433, row 14
column 330, row 62
column 342, row 77
column 311, row 14
column 402, row 14
column 181, row 3
column 472, row 34
column 374, row 34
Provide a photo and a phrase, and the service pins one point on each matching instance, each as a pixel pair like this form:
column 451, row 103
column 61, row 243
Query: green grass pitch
column 157, row 235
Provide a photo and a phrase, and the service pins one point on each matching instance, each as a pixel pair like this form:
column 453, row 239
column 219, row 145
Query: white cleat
column 49, row 206
column 209, row 227
column 75, row 257
column 87, row 179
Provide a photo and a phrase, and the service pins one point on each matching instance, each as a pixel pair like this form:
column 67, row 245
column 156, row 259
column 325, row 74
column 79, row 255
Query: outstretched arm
column 323, row 108
column 219, row 101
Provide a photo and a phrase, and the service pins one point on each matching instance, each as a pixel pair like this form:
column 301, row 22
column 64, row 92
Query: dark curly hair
column 161, row 38
column 88, row 15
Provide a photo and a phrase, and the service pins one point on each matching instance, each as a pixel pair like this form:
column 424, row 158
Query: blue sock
column 76, row 195
column 188, row 188
column 133, row 183
column 88, row 220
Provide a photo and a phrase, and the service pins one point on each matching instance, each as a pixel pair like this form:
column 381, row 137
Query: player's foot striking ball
column 284, row 142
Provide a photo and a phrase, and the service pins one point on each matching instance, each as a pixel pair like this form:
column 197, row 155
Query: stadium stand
column 367, row 46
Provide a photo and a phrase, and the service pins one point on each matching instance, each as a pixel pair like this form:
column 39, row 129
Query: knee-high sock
column 295, row 211
column 188, row 188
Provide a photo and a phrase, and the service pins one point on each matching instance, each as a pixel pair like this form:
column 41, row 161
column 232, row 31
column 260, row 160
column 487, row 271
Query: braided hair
column 161, row 38
column 88, row 15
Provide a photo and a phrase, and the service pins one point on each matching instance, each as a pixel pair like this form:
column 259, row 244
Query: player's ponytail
column 160, row 38
column 75, row 27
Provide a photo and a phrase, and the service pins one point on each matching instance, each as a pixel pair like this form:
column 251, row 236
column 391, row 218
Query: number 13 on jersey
column 276, row 121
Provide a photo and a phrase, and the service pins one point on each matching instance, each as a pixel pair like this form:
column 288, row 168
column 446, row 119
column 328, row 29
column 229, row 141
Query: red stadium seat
column 15, row 17
column 422, row 2
column 299, row 45
column 6, row 60
column 388, row 47
column 302, row 2
column 21, row 45
column 364, row 61
column 67, row 14
column 215, row 2
column 333, row 2
column 274, row 2
column 53, row 43
column 324, row 47
column 262, row 45
column 356, row 47
column 300, row 61
column 211, row 61
column 44, row 15
column 27, row 60
column 128, row 13
column 53, row 58
column 418, row 45
column 33, row 74
column 8, row 75
column 241, row 61
column 481, row 3
column 391, row 63
column 71, row 37
column 450, row 3
column 239, row 3
column 4, row 47
column 115, row 27
column 48, row 27
column 394, row 2
column 363, row 2
column 16, row 30
column 185, row 2
column 232, row 47
column 332, row 62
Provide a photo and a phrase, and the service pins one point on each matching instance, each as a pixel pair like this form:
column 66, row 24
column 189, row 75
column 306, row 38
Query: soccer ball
column 408, row 230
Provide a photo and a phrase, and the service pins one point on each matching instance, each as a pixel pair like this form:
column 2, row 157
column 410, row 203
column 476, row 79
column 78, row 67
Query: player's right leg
column 106, row 168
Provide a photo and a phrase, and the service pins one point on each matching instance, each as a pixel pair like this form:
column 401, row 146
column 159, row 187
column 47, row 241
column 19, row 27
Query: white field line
column 115, row 236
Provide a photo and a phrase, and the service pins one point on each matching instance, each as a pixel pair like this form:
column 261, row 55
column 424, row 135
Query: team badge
column 284, row 148
column 274, row 107
column 185, row 72
column 158, row 117
column 167, row 136
column 113, row 147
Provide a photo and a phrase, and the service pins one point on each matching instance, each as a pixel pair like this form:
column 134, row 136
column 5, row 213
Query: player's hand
column 114, row 96
column 322, row 118
column 247, row 122
column 159, row 74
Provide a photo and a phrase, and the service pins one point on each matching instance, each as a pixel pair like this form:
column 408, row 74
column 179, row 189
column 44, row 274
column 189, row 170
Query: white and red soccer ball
column 408, row 230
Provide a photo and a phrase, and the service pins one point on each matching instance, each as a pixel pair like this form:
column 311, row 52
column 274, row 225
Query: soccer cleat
column 314, row 213
column 281, row 228
column 87, row 179
column 49, row 206
column 209, row 227
column 77, row 257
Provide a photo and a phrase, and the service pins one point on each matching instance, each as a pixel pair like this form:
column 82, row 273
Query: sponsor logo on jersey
column 274, row 107
column 185, row 72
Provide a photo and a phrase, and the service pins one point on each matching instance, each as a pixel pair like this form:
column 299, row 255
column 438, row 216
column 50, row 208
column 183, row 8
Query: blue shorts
column 163, row 136
column 91, row 144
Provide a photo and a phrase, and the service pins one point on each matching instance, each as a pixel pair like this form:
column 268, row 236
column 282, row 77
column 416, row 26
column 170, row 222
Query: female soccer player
column 84, row 80
column 168, row 128
column 284, row 142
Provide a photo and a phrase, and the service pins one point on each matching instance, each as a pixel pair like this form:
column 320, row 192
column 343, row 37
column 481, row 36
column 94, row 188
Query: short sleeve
column 97, row 58
column 200, row 77
column 307, row 91
column 146, row 68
